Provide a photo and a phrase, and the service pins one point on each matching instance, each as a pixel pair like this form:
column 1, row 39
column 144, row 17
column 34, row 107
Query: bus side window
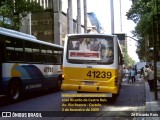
column 32, row 52
column 48, row 59
column 29, row 57
column 36, row 57
column 54, row 59
column 58, row 59
column 19, row 55
column 14, row 49
column 15, row 55
column 10, row 55
column 36, row 53
column 42, row 58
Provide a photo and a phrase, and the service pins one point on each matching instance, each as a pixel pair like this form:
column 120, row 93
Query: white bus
column 27, row 64
column 92, row 63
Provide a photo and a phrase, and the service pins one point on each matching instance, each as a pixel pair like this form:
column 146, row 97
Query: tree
column 5, row 15
column 141, row 13
column 13, row 11
column 128, row 61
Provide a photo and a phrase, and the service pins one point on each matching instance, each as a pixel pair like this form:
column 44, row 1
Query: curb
column 151, row 104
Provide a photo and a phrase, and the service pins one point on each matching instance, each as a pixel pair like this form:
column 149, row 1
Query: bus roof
column 27, row 37
column 88, row 34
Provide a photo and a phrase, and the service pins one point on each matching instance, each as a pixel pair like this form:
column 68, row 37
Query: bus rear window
column 90, row 50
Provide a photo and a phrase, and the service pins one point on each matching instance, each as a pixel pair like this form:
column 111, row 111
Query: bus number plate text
column 99, row 74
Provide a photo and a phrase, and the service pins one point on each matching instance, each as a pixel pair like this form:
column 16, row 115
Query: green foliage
column 49, row 10
column 141, row 50
column 141, row 13
column 5, row 14
column 12, row 13
column 128, row 61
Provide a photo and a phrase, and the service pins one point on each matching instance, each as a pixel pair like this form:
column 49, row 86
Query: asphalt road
column 131, row 98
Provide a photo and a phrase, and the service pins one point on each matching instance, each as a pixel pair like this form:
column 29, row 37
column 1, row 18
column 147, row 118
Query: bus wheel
column 59, row 84
column 15, row 91
column 81, row 92
column 113, row 98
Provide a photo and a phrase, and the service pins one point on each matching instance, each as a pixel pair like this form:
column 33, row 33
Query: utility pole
column 120, row 14
column 112, row 16
column 78, row 16
column 57, row 10
column 85, row 15
column 69, row 17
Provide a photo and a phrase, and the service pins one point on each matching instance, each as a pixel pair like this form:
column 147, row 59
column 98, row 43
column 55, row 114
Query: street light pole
column 132, row 38
column 78, row 16
column 85, row 15
column 70, row 17
column 112, row 16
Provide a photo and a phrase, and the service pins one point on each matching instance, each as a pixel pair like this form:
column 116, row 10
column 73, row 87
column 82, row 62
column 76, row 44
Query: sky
column 102, row 10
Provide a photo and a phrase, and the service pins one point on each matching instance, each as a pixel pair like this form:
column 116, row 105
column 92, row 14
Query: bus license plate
column 88, row 83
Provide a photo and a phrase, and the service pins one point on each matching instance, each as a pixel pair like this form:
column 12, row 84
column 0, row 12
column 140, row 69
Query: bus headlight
column 62, row 76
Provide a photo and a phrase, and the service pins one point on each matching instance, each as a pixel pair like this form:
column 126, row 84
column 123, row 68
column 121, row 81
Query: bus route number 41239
column 99, row 74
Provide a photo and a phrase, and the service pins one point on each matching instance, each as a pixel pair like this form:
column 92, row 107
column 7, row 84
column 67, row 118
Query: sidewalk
column 152, row 105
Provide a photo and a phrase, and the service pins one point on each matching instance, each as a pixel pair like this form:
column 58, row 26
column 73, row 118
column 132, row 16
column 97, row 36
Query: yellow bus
column 92, row 63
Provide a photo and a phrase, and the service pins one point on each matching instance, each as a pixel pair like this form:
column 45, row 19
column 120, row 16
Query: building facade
column 42, row 25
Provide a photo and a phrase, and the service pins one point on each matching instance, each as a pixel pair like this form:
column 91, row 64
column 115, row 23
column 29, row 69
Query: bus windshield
column 90, row 50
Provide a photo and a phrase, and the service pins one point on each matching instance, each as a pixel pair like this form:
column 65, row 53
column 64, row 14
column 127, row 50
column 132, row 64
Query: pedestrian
column 129, row 75
column 124, row 72
column 150, row 66
column 127, row 72
column 141, row 72
column 150, row 78
column 138, row 76
column 133, row 75
column 146, row 71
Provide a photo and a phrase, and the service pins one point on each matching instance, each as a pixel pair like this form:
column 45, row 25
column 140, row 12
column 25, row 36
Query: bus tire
column 59, row 84
column 57, row 87
column 113, row 98
column 15, row 91
column 81, row 92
